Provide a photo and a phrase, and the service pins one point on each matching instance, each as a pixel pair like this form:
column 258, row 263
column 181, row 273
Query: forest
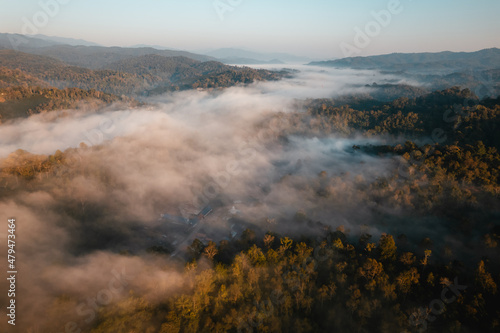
column 22, row 102
column 155, row 74
column 327, row 278
column 237, row 166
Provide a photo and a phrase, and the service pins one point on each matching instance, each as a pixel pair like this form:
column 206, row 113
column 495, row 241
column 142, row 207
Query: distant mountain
column 234, row 54
column 179, row 73
column 18, row 41
column 98, row 57
column 169, row 69
column 484, row 83
column 478, row 71
column 93, row 57
column 145, row 74
column 431, row 63
column 65, row 41
column 58, row 74
column 158, row 47
column 249, row 61
column 29, row 63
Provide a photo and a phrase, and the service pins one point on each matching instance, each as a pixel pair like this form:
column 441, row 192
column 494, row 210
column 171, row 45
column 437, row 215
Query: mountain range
column 94, row 57
column 428, row 63
column 41, row 74
column 80, row 52
column 242, row 56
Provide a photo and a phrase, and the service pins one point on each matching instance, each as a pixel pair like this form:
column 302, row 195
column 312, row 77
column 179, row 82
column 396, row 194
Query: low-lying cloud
column 183, row 151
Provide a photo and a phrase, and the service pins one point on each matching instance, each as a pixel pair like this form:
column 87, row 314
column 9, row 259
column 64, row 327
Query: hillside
column 21, row 102
column 66, row 41
column 17, row 77
column 181, row 73
column 413, row 118
column 171, row 69
column 134, row 76
column 421, row 62
column 99, row 57
column 484, row 83
column 32, row 84
column 60, row 75
column 15, row 41
column 323, row 277
column 233, row 54
column 93, row 57
column 478, row 71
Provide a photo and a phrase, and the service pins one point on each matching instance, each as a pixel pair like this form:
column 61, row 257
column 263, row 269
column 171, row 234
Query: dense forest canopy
column 326, row 278
column 215, row 208
column 155, row 74
column 478, row 71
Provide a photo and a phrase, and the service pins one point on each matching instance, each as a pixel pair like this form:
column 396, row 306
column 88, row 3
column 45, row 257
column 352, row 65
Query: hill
column 17, row 41
column 171, row 69
column 21, row 102
column 179, row 73
column 99, row 57
column 138, row 75
column 421, row 62
column 322, row 277
column 478, row 71
column 58, row 74
column 87, row 55
column 66, row 41
column 230, row 55
column 250, row 61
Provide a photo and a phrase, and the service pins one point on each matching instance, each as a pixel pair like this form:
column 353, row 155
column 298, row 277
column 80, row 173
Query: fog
column 183, row 151
column 45, row 133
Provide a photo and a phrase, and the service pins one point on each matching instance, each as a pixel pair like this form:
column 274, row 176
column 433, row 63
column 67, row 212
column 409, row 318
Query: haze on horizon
column 313, row 29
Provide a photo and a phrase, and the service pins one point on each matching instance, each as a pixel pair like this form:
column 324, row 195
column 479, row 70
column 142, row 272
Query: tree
column 211, row 250
column 425, row 260
column 485, row 280
column 286, row 243
column 406, row 279
column 370, row 269
column 248, row 236
column 256, row 256
column 407, row 258
column 195, row 248
column 268, row 240
column 387, row 248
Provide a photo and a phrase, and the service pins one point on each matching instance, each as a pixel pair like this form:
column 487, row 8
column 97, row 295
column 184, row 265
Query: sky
column 321, row 29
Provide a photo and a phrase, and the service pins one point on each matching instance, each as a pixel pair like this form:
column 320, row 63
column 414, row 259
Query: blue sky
column 314, row 28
